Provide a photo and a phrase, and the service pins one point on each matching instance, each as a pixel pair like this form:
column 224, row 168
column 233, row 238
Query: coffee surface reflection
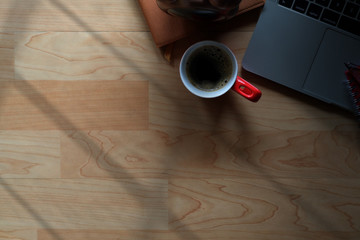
column 209, row 68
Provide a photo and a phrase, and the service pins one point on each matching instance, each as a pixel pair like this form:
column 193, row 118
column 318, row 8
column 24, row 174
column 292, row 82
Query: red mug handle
column 246, row 90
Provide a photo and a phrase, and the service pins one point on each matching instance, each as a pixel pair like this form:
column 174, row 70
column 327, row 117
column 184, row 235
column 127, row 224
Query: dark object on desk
column 201, row 10
column 353, row 85
column 167, row 29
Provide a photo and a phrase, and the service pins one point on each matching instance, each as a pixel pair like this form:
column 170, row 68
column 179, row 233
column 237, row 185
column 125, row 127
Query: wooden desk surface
column 100, row 140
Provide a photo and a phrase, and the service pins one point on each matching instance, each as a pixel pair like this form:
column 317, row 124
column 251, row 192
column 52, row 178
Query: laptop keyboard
column 344, row 14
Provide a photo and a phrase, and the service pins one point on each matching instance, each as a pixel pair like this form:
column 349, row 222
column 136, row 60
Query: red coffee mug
column 209, row 69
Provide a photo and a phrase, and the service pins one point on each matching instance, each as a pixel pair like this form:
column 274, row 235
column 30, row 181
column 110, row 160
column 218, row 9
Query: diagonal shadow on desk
column 60, row 121
column 46, row 106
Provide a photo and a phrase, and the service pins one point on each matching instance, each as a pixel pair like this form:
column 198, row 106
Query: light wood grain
column 193, row 235
column 267, row 204
column 99, row 139
column 68, row 15
column 29, row 154
column 87, row 56
column 83, row 204
column 7, row 45
column 14, row 234
column 194, row 154
column 50, row 105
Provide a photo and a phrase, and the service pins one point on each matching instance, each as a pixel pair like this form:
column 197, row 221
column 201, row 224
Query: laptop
column 303, row 44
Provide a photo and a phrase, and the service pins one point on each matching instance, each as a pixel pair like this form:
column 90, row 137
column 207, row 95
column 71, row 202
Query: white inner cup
column 208, row 93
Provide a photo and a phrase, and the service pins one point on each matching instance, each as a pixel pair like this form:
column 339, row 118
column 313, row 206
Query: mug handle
column 246, row 90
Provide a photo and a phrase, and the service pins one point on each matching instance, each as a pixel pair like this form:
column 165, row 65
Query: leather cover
column 166, row 29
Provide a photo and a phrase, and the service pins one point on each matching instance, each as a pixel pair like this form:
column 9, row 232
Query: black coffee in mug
column 209, row 68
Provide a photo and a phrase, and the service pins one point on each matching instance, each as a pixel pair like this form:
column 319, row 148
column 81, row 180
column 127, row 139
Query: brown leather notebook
column 166, row 29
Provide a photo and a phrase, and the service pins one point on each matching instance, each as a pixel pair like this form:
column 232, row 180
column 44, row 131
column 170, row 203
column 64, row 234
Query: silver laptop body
column 304, row 44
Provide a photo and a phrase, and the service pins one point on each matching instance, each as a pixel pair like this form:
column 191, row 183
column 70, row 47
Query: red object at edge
column 246, row 90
